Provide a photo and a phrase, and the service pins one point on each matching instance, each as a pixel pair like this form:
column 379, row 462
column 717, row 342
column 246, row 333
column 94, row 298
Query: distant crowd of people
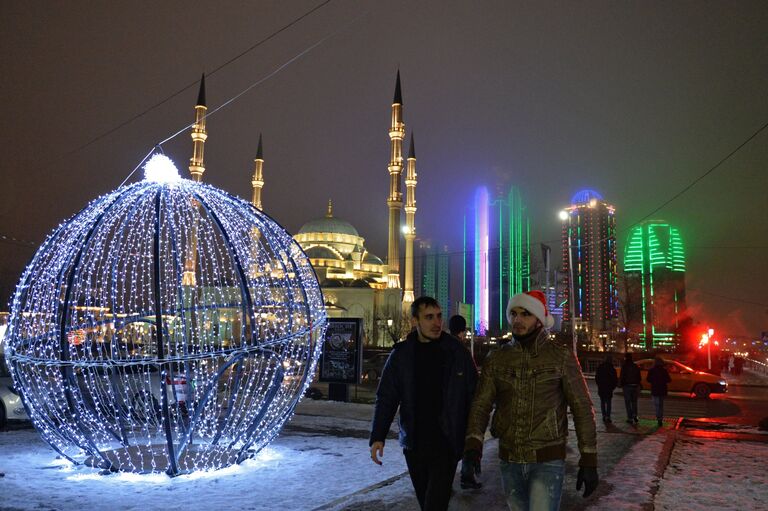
column 731, row 364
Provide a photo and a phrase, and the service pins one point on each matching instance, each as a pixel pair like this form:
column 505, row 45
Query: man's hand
column 588, row 477
column 470, row 467
column 377, row 449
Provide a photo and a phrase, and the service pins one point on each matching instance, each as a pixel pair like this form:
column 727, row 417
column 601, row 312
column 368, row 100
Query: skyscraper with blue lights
column 589, row 260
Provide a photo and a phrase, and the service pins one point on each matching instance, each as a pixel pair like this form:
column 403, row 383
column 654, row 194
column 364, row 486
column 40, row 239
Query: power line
column 729, row 298
column 191, row 84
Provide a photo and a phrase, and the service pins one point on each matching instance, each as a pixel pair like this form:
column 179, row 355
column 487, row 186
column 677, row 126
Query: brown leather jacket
column 530, row 388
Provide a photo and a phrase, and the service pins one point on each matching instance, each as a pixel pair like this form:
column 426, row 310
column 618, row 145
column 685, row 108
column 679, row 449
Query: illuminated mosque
column 354, row 281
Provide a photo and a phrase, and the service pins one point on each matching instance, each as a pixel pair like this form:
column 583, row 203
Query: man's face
column 523, row 322
column 429, row 322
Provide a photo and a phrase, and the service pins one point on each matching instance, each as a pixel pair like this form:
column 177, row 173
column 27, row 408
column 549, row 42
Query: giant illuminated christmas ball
column 166, row 327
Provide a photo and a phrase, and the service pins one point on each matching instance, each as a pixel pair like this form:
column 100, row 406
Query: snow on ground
column 300, row 470
column 632, row 480
column 706, row 474
column 321, row 462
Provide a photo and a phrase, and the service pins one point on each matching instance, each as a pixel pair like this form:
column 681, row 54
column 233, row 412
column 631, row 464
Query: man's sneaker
column 637, row 420
column 470, row 483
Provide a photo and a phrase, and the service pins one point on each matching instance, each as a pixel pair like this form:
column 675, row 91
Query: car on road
column 11, row 407
column 373, row 365
column 685, row 379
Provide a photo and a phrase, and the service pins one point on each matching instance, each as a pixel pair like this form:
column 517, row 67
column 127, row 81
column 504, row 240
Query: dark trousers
column 605, row 406
column 630, row 400
column 432, row 477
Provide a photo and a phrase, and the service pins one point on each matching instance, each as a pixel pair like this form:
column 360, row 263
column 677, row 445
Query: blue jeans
column 630, row 400
column 658, row 404
column 534, row 486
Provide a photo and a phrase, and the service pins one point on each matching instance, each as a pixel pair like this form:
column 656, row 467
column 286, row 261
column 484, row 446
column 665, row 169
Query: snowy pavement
column 321, row 462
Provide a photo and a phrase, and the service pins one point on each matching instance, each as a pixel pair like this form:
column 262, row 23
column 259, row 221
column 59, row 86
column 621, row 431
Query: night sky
column 634, row 99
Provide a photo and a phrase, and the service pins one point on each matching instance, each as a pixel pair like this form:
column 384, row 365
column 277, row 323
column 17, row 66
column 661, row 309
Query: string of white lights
column 168, row 326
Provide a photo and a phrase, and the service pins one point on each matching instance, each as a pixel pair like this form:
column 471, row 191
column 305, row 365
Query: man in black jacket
column 629, row 381
column 606, row 379
column 431, row 377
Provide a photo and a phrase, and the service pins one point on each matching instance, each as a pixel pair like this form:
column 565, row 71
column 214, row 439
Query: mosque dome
column 372, row 259
column 329, row 224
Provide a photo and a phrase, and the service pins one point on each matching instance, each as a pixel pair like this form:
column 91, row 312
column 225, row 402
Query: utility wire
column 729, row 298
column 244, row 91
column 192, row 84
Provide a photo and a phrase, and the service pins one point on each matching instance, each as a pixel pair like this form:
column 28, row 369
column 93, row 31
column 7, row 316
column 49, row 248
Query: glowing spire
column 196, row 164
column 257, row 181
column 395, row 199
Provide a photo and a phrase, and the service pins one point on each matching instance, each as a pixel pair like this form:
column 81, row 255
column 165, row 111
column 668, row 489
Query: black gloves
column 588, row 477
column 470, row 467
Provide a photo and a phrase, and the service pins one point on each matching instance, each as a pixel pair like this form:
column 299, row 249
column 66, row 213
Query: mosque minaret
column 410, row 227
column 257, row 181
column 395, row 198
column 196, row 165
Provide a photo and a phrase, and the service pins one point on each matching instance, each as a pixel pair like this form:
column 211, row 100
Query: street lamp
column 705, row 339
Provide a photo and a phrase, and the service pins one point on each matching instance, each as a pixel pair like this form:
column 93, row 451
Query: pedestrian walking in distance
column 606, row 379
column 630, row 384
column 531, row 381
column 431, row 378
column 659, row 378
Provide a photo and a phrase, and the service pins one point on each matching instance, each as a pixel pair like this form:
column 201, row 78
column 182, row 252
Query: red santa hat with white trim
column 534, row 302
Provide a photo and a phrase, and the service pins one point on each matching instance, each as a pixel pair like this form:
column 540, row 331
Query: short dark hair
column 457, row 324
column 426, row 301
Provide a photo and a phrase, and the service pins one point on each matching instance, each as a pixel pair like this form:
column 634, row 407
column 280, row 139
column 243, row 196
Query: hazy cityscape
column 214, row 220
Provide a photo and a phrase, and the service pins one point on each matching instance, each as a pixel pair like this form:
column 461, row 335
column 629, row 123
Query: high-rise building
column 496, row 257
column 654, row 283
column 432, row 274
column 589, row 260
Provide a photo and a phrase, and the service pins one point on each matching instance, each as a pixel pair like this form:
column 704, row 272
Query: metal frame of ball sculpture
column 167, row 327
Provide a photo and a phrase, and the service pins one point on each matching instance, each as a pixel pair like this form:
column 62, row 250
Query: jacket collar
column 542, row 336
column 413, row 338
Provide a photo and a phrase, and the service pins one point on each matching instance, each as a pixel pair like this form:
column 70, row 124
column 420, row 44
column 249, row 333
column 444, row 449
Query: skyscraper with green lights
column 497, row 260
column 432, row 274
column 654, row 269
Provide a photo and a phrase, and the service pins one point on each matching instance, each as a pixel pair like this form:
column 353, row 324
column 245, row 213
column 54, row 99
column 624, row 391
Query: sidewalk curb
column 664, row 457
column 363, row 491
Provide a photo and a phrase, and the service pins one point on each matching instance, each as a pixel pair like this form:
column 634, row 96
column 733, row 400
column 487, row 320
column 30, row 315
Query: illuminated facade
column 654, row 269
column 432, row 274
column 496, row 257
column 589, row 229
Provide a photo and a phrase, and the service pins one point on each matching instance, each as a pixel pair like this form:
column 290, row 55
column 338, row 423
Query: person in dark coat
column 606, row 379
column 630, row 384
column 658, row 377
column 431, row 378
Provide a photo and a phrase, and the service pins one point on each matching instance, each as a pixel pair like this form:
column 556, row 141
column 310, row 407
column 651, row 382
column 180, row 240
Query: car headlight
column 723, row 383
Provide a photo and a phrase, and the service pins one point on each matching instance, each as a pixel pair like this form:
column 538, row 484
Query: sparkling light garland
column 124, row 365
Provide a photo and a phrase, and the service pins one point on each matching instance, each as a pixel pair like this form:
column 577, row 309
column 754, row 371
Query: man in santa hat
column 531, row 381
